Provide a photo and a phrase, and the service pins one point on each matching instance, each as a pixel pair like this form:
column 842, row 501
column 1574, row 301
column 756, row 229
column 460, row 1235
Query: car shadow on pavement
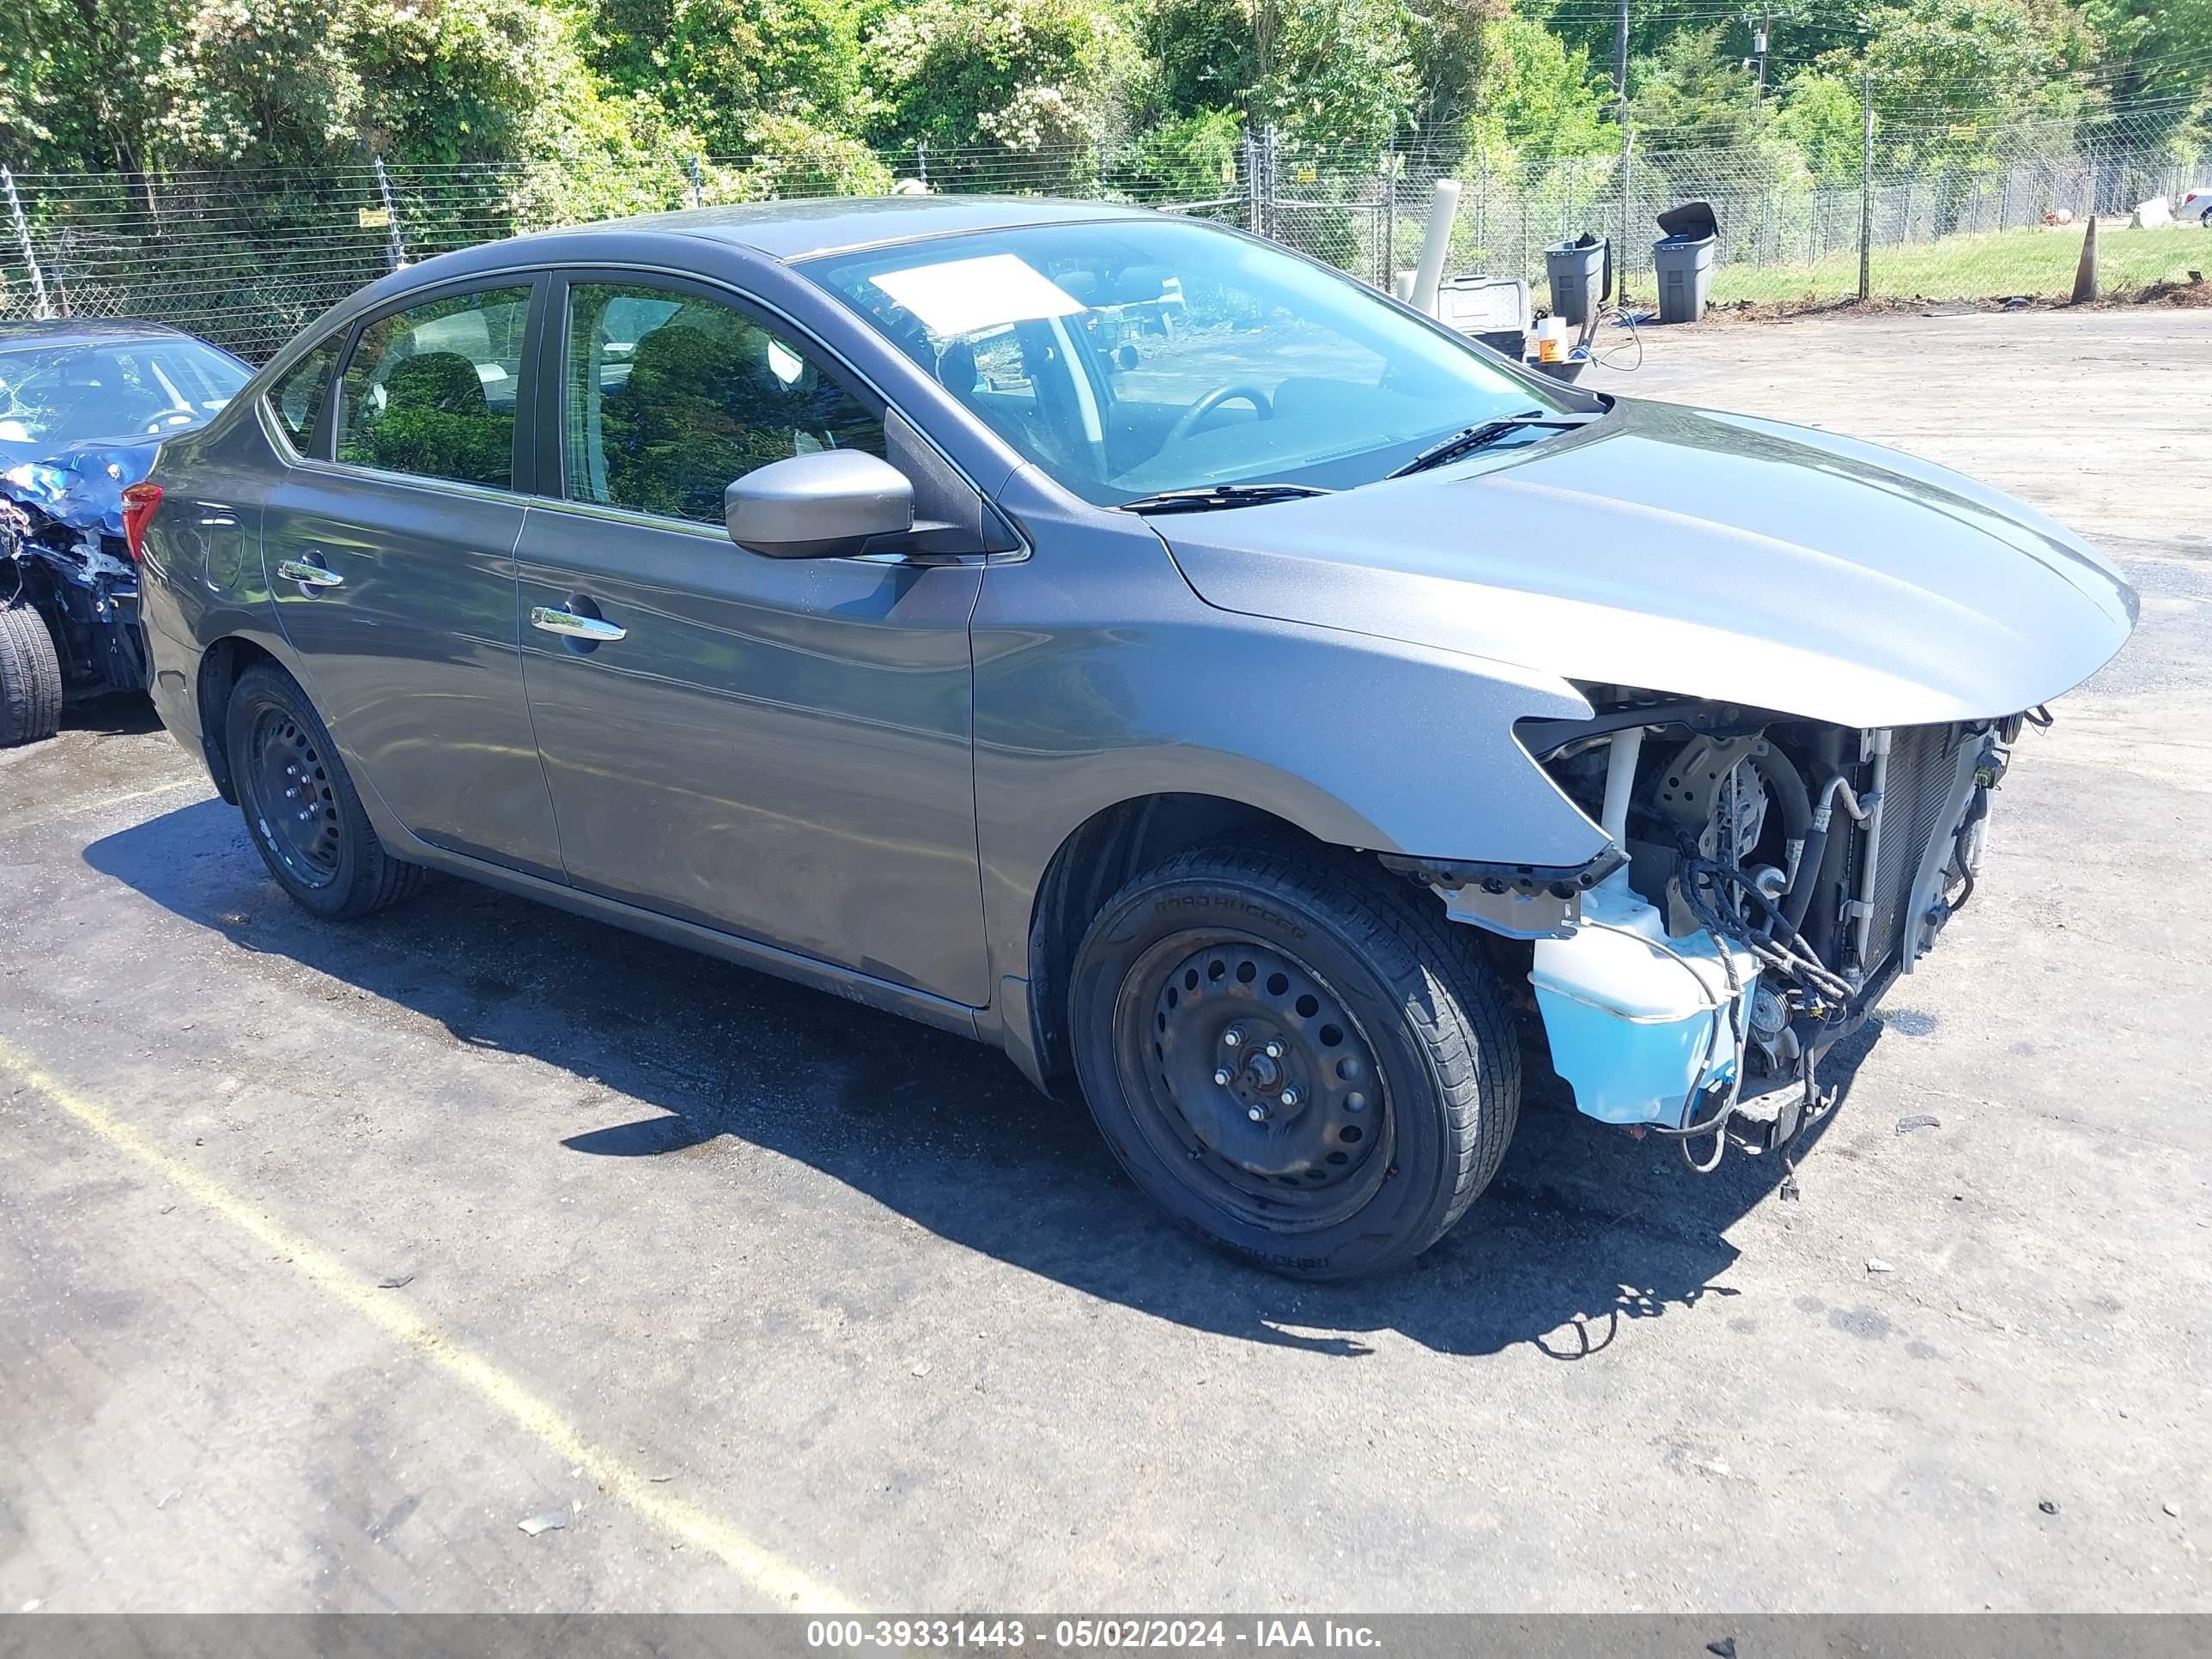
column 1584, row 1233
column 112, row 714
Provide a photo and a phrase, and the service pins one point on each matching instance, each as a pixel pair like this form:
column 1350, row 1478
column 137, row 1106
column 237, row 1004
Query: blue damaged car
column 84, row 407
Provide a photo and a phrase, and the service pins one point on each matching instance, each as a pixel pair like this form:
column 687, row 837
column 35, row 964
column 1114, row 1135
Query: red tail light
column 139, row 501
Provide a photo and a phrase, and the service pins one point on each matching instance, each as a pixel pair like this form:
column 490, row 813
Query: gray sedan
column 1126, row 642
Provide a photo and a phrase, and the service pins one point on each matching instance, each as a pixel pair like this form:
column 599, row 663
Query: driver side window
column 668, row 396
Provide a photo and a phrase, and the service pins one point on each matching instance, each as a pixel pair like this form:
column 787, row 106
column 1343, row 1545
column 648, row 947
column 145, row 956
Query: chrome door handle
column 309, row 575
column 570, row 625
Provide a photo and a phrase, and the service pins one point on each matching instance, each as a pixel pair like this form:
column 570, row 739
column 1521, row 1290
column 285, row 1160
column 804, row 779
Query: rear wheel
column 1295, row 1059
column 30, row 676
column 301, row 807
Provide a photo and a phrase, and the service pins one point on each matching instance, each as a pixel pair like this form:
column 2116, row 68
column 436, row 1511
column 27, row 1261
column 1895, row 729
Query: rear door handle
column 309, row 575
column 555, row 619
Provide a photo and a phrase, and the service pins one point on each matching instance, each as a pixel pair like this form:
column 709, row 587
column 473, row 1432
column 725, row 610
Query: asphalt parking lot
column 327, row 1255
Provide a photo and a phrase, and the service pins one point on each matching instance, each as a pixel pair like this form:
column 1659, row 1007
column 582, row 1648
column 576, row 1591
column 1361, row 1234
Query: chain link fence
column 248, row 259
column 1946, row 212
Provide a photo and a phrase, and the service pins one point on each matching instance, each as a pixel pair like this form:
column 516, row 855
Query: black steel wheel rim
column 294, row 804
column 1253, row 1081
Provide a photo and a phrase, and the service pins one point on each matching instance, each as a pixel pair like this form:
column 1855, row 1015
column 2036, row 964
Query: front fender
column 1101, row 677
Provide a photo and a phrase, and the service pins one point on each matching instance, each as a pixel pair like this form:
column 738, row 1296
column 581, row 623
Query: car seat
column 436, row 422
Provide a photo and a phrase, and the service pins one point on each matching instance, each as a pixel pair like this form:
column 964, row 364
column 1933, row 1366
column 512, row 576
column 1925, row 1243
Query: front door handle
column 309, row 575
column 555, row 619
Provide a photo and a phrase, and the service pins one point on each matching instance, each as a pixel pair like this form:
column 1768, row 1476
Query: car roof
column 87, row 331
column 804, row 230
column 784, row 231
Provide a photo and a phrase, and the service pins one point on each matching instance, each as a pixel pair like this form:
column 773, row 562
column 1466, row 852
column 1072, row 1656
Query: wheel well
column 221, row 664
column 1095, row 860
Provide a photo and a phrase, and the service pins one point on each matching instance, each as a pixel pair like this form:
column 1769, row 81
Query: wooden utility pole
column 1758, row 43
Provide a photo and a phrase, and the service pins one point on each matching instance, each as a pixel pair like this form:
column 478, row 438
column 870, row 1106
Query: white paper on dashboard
column 963, row 295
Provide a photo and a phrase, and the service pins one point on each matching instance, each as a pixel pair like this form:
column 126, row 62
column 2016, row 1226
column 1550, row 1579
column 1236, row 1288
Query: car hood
column 80, row 485
column 1701, row 553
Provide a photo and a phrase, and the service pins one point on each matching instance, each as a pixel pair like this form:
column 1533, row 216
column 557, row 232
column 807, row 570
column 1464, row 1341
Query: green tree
column 790, row 156
column 1336, row 71
column 470, row 80
column 2155, row 61
column 1206, row 53
column 1185, row 157
column 1823, row 115
column 1968, row 62
column 1020, row 75
column 1540, row 97
column 82, row 82
column 1952, row 79
column 262, row 83
column 1449, row 41
column 717, row 68
column 1695, row 93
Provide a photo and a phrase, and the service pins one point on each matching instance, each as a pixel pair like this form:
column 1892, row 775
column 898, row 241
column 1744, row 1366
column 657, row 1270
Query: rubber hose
column 1816, row 846
column 1788, row 786
column 1800, row 898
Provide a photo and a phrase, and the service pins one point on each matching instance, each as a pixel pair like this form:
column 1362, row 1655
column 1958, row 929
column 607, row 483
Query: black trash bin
column 1682, row 260
column 1581, row 275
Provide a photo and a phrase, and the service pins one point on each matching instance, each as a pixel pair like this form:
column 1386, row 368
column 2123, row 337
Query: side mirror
column 828, row 505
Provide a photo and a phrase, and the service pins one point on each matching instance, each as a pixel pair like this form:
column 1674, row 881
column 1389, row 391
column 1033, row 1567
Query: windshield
column 69, row 394
column 1133, row 357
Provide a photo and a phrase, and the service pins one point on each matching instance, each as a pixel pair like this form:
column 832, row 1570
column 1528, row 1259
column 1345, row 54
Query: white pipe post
column 1619, row 780
column 1435, row 246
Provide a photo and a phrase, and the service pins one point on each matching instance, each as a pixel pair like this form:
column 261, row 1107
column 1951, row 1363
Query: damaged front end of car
column 1767, row 879
column 67, row 536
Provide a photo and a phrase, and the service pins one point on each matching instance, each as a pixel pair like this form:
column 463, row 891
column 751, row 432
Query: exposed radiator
column 1921, row 770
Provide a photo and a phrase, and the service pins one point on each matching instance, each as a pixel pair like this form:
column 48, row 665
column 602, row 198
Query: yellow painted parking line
column 761, row 1568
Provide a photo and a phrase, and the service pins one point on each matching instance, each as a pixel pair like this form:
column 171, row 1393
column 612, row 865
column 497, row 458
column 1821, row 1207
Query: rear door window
column 432, row 389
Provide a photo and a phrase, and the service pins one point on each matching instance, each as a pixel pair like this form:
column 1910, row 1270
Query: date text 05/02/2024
column 1088, row 1634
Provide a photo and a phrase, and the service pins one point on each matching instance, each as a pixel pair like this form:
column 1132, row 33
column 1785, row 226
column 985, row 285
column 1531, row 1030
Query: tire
column 316, row 840
column 1386, row 1102
column 30, row 678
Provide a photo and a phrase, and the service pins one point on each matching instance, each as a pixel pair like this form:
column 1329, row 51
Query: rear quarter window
column 297, row 400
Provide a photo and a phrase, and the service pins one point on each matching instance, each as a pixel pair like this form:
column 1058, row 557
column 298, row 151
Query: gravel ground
column 327, row 1255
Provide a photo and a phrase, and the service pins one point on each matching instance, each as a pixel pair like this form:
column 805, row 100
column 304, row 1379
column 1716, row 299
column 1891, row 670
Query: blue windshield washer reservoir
column 1639, row 1021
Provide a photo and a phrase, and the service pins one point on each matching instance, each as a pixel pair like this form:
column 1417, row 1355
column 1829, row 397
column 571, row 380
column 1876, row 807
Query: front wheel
column 30, row 676
column 1294, row 1057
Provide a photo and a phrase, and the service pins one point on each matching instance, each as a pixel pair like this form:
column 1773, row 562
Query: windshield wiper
column 1483, row 434
column 1209, row 497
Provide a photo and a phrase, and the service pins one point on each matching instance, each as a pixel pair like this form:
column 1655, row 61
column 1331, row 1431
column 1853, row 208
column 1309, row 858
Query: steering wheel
column 135, row 409
column 1187, row 422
